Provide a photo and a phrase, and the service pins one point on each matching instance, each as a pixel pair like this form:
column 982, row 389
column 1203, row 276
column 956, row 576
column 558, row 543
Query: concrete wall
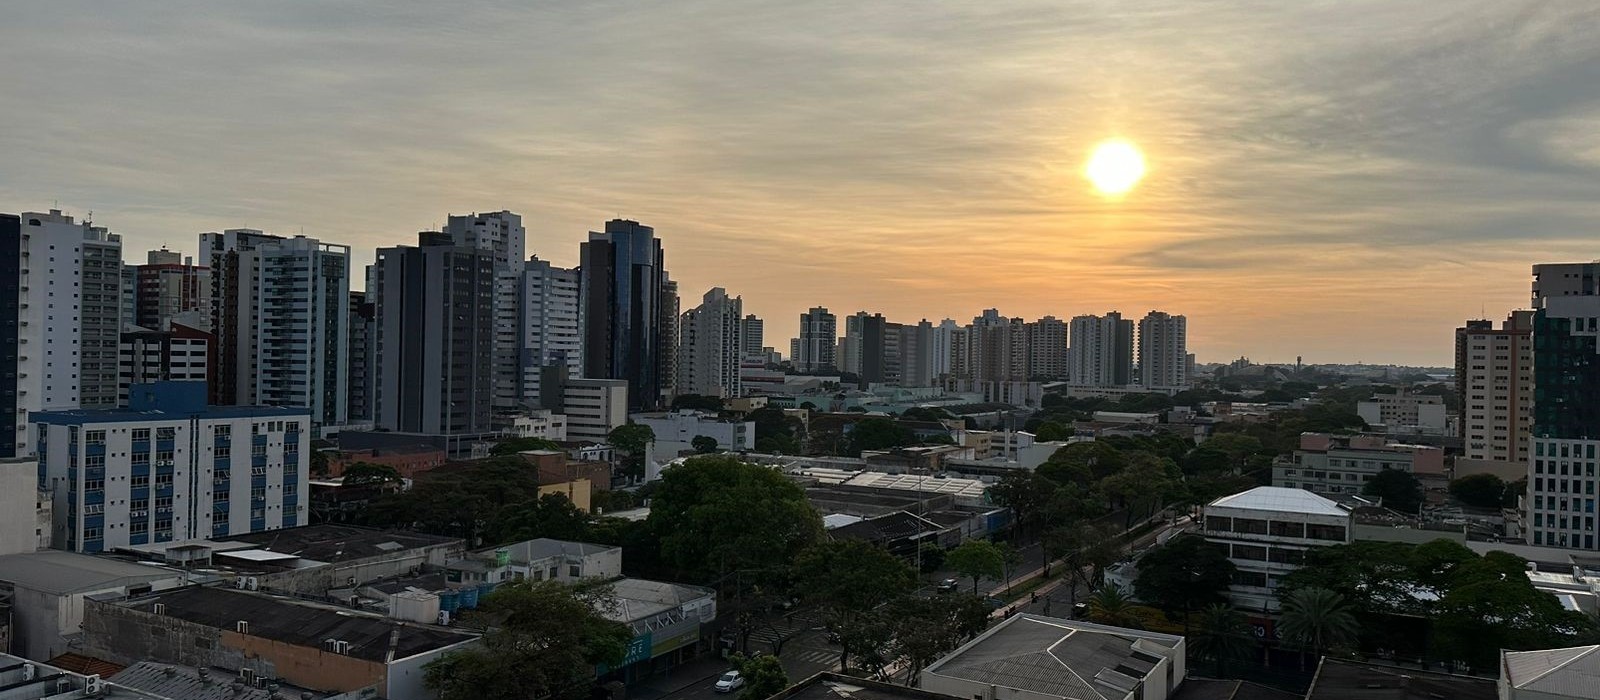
column 1411, row 535
column 37, row 623
column 125, row 636
column 19, row 505
column 404, row 681
column 316, row 581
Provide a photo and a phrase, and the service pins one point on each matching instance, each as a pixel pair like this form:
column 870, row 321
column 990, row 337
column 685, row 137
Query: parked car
column 949, row 585
column 730, row 682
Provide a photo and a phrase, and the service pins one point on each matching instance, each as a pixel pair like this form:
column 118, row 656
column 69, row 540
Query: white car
column 730, row 682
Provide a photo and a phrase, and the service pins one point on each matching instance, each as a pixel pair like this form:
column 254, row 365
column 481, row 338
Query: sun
column 1115, row 167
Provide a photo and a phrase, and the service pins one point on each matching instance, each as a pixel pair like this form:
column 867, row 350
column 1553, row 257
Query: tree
column 1222, row 636
column 368, row 473
column 927, row 628
column 632, row 440
column 764, row 676
column 1317, row 619
column 849, row 579
column 1187, row 573
column 539, row 640
column 704, row 444
column 1085, row 549
column 1083, row 462
column 1110, row 605
column 776, row 431
column 1026, row 494
column 1145, row 484
column 470, row 500
column 1052, row 431
column 551, row 515
column 319, row 463
column 696, row 402
column 525, row 444
column 715, row 513
column 1399, row 490
column 877, row 434
column 1479, row 490
column 977, row 559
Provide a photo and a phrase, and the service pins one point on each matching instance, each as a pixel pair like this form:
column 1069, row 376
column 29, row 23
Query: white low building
column 684, row 426
column 1265, row 532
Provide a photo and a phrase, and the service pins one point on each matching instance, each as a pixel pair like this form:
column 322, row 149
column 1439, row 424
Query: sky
column 1344, row 181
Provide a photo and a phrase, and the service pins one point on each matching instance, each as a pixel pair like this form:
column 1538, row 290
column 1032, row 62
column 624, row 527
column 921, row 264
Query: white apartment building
column 594, row 407
column 1163, row 351
column 169, row 468
column 1405, row 412
column 684, row 426
column 502, row 235
column 538, row 424
column 73, row 282
column 1265, row 532
column 548, row 328
column 303, row 328
column 1494, row 378
column 817, row 346
column 711, row 344
column 1047, row 348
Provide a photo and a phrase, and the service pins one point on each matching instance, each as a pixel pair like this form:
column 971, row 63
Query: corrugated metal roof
column 1281, row 500
column 1572, row 672
column 54, row 571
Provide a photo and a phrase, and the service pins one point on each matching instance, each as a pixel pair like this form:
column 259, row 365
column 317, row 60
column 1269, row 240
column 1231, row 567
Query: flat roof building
column 1265, row 532
column 48, row 589
column 1030, row 657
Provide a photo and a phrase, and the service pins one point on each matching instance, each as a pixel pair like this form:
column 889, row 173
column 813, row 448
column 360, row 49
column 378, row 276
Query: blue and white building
column 170, row 468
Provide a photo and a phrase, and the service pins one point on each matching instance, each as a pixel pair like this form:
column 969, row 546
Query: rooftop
column 1061, row 658
column 637, row 598
column 336, row 543
column 186, row 683
column 299, row 623
column 1281, row 500
column 1211, row 689
column 1573, row 672
column 1352, row 680
column 545, row 548
column 58, row 572
column 832, row 686
column 883, row 528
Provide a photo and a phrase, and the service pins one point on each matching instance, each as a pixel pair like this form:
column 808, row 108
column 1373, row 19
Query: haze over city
column 1345, row 181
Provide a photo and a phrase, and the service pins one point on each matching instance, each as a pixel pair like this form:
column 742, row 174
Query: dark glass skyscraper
column 625, row 290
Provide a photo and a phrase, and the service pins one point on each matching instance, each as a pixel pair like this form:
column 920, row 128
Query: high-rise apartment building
column 230, row 257
column 1163, row 351
column 1494, row 378
column 755, row 335
column 997, row 349
column 549, row 328
column 1047, row 348
column 358, row 395
column 629, row 308
column 169, row 287
column 1562, row 476
column 61, row 299
column 170, row 468
column 711, row 346
column 302, row 338
column 816, row 348
column 501, row 235
column 434, row 346
column 177, row 354
column 1101, row 351
column 849, row 352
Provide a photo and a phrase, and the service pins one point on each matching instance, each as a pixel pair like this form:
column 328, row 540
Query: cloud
column 1330, row 179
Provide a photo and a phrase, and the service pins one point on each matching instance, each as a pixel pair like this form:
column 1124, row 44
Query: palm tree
column 1110, row 605
column 1222, row 636
column 1316, row 619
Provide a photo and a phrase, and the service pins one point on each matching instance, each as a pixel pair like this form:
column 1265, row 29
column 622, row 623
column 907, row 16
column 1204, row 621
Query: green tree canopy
column 1110, row 605
column 715, row 513
column 704, row 444
column 776, row 431
column 1027, row 495
column 1083, row 463
column 1222, row 637
column 1399, row 490
column 1187, row 573
column 696, row 402
column 877, row 434
column 977, row 559
column 369, row 473
column 1479, row 490
column 539, row 640
column 471, row 500
column 849, row 580
column 632, row 440
column 764, row 676
column 1317, row 619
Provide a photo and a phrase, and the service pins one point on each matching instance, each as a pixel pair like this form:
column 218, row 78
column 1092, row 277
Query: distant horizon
column 1317, row 179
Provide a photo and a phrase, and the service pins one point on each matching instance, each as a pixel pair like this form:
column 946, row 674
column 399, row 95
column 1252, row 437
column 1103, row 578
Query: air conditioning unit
column 159, row 608
column 337, row 646
column 252, row 583
column 242, row 627
column 92, row 685
column 444, row 617
column 29, row 671
column 239, row 583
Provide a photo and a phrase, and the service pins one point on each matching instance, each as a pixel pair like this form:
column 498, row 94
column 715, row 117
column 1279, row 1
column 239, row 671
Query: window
column 1219, row 523
column 1334, row 533
column 1282, row 555
column 1283, row 529
column 94, row 437
column 258, row 450
column 222, row 431
column 1250, row 526
column 1250, row 551
column 141, row 434
column 575, row 571
column 139, row 482
column 553, row 573
column 168, row 433
column 224, row 452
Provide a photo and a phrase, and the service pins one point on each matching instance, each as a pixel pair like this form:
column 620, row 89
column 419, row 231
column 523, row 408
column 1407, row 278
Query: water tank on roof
column 469, row 598
column 450, row 601
column 502, row 556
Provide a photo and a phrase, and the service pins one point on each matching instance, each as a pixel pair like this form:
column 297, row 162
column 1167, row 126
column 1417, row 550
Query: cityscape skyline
column 1348, row 168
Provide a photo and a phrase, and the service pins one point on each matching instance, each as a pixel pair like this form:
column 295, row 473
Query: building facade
column 1566, row 410
column 302, row 336
column 230, row 255
column 1494, row 378
column 500, row 235
column 629, row 311
column 684, row 426
column 549, row 325
column 1101, row 351
column 358, row 394
column 169, row 287
column 170, row 468
column 1405, row 412
column 1333, row 464
column 435, row 338
column 594, row 407
column 175, row 355
column 816, row 347
column 711, row 345
column 1047, row 349
column 1265, row 532
column 1163, row 351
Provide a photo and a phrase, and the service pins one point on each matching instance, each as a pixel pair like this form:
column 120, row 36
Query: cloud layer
column 1340, row 180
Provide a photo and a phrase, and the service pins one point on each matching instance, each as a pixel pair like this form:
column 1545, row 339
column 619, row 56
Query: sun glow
column 1115, row 167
